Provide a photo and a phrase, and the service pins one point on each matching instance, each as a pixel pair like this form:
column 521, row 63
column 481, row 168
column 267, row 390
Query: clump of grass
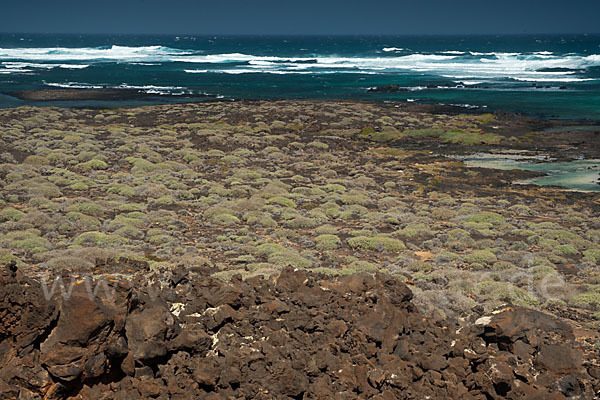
column 426, row 132
column 266, row 249
column 11, row 214
column 301, row 223
column 376, row 243
column 141, row 166
column 387, row 134
column 319, row 145
column 357, row 198
column 282, row 201
column 359, row 266
column 259, row 218
column 7, row 257
column 506, row 292
column 327, row 242
column 326, row 229
column 93, row 164
column 88, row 208
column 36, row 160
column 470, row 138
column 82, row 221
column 122, row 190
column 289, row 258
column 28, row 241
column 446, row 257
column 486, row 217
column 592, row 255
column 565, row 250
column 416, row 231
column 98, row 239
column 588, row 300
column 484, row 256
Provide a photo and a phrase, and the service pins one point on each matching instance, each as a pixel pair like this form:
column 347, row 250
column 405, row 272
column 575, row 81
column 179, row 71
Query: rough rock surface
column 183, row 335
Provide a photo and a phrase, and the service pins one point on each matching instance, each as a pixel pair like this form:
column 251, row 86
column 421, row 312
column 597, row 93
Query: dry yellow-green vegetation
column 248, row 188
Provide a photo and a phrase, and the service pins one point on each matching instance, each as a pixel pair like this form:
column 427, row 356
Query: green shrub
column 224, row 220
column 327, row 242
column 289, row 258
column 282, row 201
column 79, row 186
column 326, row 229
column 471, row 138
column 319, row 145
column 259, row 218
column 487, row 217
column 89, row 208
column 446, row 257
column 507, row 292
column 36, row 160
column 355, row 198
column 359, row 266
column 83, row 222
column 387, row 134
column 141, row 166
column 94, row 164
column 130, row 232
column 592, row 255
column 7, row 257
column 11, row 214
column 98, row 239
column 28, row 241
column 565, row 250
column 589, row 300
column 415, row 231
column 334, row 187
column 122, row 190
column 266, row 249
column 481, row 257
column 301, row 223
column 376, row 243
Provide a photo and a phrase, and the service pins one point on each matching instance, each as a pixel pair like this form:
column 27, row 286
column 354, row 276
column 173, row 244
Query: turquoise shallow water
column 580, row 175
column 549, row 76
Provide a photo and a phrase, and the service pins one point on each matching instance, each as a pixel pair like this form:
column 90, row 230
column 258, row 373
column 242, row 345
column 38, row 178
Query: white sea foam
column 20, row 65
column 471, row 82
column 74, row 85
column 151, row 89
column 543, row 66
column 553, row 79
column 115, row 53
column 8, row 71
column 239, row 71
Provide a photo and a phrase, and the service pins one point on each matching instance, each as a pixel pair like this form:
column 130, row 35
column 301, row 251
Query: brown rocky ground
column 213, row 203
column 299, row 335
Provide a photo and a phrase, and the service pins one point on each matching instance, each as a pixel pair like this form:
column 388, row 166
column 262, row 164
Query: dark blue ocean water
column 550, row 76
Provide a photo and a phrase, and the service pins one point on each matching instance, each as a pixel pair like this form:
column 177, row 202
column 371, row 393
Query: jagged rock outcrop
column 299, row 335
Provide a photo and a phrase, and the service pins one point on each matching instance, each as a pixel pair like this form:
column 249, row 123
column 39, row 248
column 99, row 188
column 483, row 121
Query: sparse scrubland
column 249, row 188
column 245, row 190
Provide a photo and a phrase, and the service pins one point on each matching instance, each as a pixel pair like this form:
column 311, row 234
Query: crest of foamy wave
column 151, row 89
column 493, row 66
column 8, row 71
column 21, row 65
column 114, row 53
column 238, row 71
column 73, row 85
column 544, row 66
